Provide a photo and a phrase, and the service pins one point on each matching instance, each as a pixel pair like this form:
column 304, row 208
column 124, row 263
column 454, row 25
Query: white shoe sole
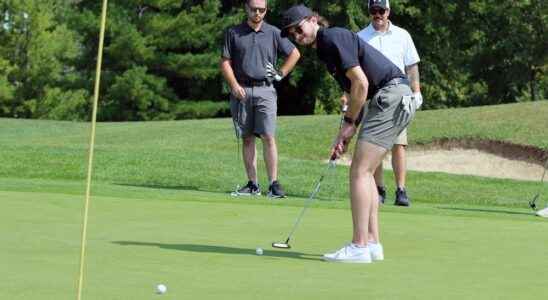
column 543, row 213
column 236, row 194
column 377, row 258
column 347, row 261
column 270, row 195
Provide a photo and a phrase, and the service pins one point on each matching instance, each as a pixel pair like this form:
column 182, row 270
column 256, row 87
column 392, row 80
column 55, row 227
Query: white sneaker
column 350, row 254
column 543, row 213
column 376, row 250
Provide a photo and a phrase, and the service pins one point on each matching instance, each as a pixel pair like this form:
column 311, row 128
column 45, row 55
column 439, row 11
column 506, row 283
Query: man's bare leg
column 399, row 165
column 363, row 191
column 270, row 154
column 250, row 158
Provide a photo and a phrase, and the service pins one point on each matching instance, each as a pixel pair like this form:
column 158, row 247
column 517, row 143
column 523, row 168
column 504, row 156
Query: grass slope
column 201, row 154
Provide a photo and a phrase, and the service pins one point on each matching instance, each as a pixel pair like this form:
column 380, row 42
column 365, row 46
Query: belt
column 251, row 83
column 397, row 80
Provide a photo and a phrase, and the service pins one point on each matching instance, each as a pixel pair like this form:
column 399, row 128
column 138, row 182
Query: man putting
column 248, row 61
column 363, row 73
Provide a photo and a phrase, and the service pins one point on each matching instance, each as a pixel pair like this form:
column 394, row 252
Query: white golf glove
column 409, row 105
column 272, row 74
column 418, row 100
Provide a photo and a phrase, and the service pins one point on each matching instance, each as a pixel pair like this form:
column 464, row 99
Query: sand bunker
column 468, row 162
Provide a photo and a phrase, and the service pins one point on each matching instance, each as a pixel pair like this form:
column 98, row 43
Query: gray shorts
column 378, row 125
column 401, row 139
column 257, row 114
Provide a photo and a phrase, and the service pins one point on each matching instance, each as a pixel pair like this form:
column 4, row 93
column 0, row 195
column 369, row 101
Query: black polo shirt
column 341, row 49
column 250, row 50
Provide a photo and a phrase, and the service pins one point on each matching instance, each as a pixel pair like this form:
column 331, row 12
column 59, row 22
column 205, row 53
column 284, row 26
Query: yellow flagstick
column 92, row 145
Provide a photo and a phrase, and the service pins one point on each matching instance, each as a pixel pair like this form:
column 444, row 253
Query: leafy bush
column 63, row 105
column 137, row 96
column 6, row 88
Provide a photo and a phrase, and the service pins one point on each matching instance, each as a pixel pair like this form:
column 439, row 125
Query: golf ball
column 161, row 289
column 259, row 251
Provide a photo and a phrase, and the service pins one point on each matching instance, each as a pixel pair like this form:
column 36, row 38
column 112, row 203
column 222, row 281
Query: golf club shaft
column 310, row 199
column 533, row 203
column 330, row 165
column 544, row 173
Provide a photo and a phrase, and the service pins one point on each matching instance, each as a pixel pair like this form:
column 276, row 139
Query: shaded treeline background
column 161, row 56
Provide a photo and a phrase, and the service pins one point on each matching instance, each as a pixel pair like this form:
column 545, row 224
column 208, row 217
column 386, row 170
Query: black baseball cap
column 293, row 16
column 379, row 3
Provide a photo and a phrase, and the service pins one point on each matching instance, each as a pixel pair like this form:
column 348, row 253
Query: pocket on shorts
column 379, row 102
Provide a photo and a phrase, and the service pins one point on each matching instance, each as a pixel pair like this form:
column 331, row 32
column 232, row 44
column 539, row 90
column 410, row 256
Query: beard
column 256, row 19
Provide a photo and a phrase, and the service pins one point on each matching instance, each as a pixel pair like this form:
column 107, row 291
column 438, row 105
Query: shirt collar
column 251, row 29
column 372, row 30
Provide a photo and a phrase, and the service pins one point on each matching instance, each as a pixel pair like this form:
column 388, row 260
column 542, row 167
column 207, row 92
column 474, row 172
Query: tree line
column 161, row 56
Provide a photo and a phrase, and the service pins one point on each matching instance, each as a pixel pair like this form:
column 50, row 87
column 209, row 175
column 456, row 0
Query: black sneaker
column 401, row 198
column 250, row 189
column 382, row 193
column 275, row 190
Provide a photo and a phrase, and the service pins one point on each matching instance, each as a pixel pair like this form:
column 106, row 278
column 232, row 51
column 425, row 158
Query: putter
column 285, row 245
column 330, row 165
column 533, row 202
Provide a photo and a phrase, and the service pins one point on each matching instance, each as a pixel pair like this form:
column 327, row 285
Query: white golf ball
column 161, row 289
column 259, row 251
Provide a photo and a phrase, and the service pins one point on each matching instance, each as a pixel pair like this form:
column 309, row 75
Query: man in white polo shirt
column 396, row 44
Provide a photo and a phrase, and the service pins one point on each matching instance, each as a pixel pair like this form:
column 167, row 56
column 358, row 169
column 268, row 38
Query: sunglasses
column 375, row 11
column 298, row 29
column 257, row 10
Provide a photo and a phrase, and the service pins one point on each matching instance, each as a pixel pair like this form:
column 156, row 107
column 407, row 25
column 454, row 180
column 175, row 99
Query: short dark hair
column 265, row 1
column 321, row 20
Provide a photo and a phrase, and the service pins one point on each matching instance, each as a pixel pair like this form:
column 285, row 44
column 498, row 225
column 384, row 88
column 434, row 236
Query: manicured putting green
column 206, row 250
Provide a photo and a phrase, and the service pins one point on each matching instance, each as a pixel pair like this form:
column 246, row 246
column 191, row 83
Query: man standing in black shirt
column 363, row 73
column 248, row 65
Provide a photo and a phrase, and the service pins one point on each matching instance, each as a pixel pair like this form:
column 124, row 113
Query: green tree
column 7, row 89
column 137, row 95
column 36, row 39
column 170, row 47
column 511, row 54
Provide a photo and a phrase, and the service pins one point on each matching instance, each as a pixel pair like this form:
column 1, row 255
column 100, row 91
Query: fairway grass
column 202, row 246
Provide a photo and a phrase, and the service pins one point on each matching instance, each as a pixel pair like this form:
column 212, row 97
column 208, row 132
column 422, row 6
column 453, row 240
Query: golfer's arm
column 228, row 73
column 412, row 72
column 290, row 62
column 358, row 91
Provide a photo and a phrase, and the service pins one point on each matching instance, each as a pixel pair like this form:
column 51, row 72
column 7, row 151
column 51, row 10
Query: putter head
column 281, row 245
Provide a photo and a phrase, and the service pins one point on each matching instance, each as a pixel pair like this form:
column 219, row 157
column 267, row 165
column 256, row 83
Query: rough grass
column 202, row 154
